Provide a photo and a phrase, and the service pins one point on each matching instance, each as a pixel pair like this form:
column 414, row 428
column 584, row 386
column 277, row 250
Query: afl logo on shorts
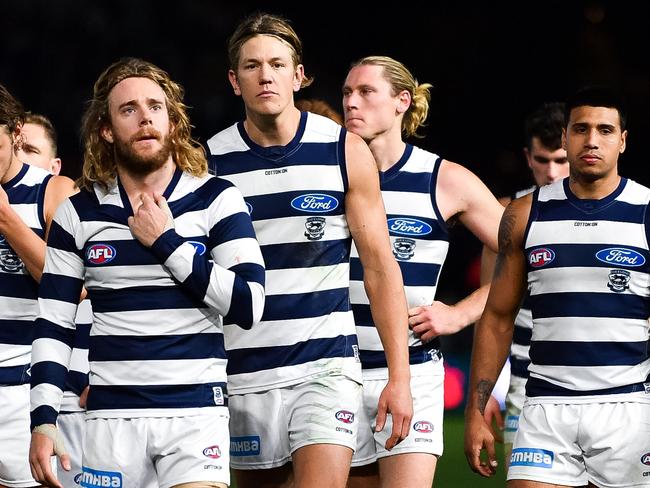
column 199, row 247
column 408, row 227
column 212, row 452
column 645, row 459
column 541, row 257
column 423, row 426
column 100, row 254
column 344, row 416
column 315, row 203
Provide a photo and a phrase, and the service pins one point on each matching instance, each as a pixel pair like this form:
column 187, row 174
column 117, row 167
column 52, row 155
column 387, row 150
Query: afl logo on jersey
column 344, row 416
column 541, row 257
column 212, row 452
column 423, row 426
column 408, row 227
column 100, row 254
column 315, row 203
column 621, row 257
column 199, row 247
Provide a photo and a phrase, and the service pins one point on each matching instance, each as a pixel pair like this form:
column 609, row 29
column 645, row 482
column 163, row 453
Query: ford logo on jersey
column 100, row 254
column 423, row 426
column 541, row 257
column 345, row 416
column 199, row 247
column 212, row 452
column 408, row 227
column 315, row 202
column 621, row 257
column 645, row 459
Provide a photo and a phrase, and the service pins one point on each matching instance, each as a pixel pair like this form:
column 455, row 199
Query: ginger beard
column 142, row 162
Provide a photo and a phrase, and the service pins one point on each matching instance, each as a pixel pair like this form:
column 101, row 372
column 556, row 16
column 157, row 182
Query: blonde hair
column 99, row 159
column 262, row 24
column 400, row 78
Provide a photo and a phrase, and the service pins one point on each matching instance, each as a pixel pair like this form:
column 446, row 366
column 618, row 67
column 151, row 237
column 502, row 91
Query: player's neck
column 272, row 130
column 154, row 182
column 387, row 150
column 595, row 189
column 12, row 170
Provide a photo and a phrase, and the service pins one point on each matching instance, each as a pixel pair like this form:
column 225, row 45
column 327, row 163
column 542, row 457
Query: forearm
column 28, row 246
column 470, row 308
column 492, row 339
column 388, row 306
column 238, row 291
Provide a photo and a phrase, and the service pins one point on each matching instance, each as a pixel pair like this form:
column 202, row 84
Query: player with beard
column 166, row 253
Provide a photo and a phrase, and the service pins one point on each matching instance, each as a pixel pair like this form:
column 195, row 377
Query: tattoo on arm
column 484, row 388
column 506, row 229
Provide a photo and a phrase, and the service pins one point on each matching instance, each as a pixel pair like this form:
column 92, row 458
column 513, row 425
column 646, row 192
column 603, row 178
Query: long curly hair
column 12, row 113
column 400, row 78
column 99, row 164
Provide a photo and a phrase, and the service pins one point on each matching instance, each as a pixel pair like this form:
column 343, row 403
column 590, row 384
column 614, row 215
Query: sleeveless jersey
column 519, row 356
column 156, row 343
column 18, row 290
column 419, row 240
column 296, row 197
column 589, row 275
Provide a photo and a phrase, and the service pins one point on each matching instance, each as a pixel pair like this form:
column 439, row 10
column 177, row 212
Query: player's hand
column 151, row 218
column 431, row 321
column 478, row 437
column 395, row 400
column 492, row 415
column 41, row 449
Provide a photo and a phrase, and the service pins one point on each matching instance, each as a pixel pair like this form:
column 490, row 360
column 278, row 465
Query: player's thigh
column 280, row 477
column 259, row 431
column 318, row 465
column 415, row 470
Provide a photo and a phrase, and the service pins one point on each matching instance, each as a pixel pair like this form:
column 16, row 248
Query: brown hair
column 262, row 24
column 400, row 78
column 320, row 107
column 99, row 160
column 12, row 113
column 48, row 128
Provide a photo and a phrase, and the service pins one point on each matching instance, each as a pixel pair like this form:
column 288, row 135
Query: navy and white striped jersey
column 296, row 196
column 78, row 369
column 156, row 343
column 519, row 355
column 589, row 278
column 18, row 290
column 419, row 239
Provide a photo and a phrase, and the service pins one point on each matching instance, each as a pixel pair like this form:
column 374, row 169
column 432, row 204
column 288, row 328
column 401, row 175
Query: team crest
column 403, row 248
column 619, row 280
column 315, row 228
column 9, row 261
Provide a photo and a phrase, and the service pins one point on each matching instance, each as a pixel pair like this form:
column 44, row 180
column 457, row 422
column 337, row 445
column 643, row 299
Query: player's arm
column 61, row 284
column 366, row 218
column 460, row 193
column 230, row 277
column 29, row 247
column 493, row 333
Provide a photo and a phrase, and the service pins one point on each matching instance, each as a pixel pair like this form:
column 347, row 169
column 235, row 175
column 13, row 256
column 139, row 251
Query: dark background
column 490, row 64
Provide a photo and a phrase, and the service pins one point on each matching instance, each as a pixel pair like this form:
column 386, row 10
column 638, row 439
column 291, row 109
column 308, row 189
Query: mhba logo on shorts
column 620, row 256
column 528, row 456
column 213, row 452
column 92, row 478
column 541, row 257
column 248, row 445
column 408, row 226
column 344, row 416
column 100, row 254
column 315, row 203
column 423, row 426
